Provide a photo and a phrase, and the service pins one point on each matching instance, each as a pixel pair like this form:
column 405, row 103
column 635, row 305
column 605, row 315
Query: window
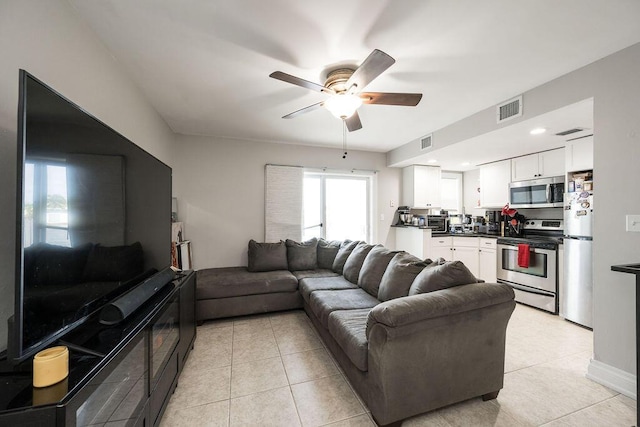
column 337, row 206
column 451, row 183
column 45, row 216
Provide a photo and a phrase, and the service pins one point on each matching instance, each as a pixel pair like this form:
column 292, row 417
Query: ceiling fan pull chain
column 344, row 138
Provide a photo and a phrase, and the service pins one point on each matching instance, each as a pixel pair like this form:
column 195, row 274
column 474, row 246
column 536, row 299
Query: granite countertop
column 423, row 227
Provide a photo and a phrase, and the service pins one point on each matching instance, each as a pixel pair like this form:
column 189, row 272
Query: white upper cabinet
column 494, row 184
column 421, row 186
column 551, row 163
column 579, row 154
column 538, row 165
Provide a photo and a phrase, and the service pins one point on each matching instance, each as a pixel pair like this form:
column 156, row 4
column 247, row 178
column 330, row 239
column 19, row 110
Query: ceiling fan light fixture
column 343, row 105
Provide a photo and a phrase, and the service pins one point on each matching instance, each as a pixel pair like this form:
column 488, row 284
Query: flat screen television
column 94, row 217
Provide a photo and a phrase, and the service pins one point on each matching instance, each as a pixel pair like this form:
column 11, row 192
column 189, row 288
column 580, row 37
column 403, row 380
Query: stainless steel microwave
column 537, row 193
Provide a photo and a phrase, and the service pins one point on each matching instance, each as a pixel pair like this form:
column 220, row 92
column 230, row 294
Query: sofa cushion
column 441, row 276
column 302, row 256
column 323, row 303
column 343, row 253
column 238, row 281
column 311, row 284
column 267, row 256
column 399, row 275
column 320, row 272
column 373, row 268
column 353, row 265
column 348, row 328
column 113, row 263
column 327, row 252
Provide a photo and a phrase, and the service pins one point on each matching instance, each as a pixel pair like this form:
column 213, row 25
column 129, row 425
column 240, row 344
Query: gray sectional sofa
column 411, row 335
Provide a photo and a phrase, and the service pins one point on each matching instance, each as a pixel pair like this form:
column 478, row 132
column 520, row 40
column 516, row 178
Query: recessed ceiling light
column 432, row 161
column 465, row 164
column 537, row 131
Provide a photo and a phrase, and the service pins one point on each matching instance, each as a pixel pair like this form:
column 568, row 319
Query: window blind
column 283, row 203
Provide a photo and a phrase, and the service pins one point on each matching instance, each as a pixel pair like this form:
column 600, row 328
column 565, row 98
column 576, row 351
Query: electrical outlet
column 392, row 204
column 633, row 223
column 381, row 217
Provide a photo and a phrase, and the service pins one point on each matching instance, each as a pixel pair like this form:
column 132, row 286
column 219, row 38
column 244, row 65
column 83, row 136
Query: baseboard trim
column 614, row 378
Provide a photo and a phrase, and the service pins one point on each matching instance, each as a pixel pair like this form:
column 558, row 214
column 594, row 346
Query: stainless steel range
column 535, row 282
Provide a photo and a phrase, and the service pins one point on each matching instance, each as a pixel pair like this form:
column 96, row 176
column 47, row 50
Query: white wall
column 220, row 189
column 613, row 82
column 45, row 38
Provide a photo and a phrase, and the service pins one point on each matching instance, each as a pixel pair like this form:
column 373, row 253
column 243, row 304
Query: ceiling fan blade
column 372, row 67
column 279, row 75
column 353, row 122
column 386, row 98
column 303, row 110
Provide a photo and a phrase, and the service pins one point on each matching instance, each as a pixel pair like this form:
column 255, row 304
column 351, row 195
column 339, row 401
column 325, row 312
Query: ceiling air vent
column 426, row 142
column 569, row 131
column 509, row 109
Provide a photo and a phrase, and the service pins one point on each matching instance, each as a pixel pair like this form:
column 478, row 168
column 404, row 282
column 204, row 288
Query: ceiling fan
column 345, row 86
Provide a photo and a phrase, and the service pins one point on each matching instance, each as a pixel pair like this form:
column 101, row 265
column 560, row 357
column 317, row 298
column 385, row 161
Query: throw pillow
column 302, row 256
column 353, row 265
column 327, row 252
column 373, row 268
column 113, row 263
column 267, row 256
column 442, row 276
column 399, row 275
column 343, row 253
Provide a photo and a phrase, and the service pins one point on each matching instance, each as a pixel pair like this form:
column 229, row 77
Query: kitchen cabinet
column 488, row 260
column 421, row 186
column 413, row 240
column 478, row 254
column 538, row 165
column 441, row 247
column 579, row 154
column 494, row 184
column 465, row 249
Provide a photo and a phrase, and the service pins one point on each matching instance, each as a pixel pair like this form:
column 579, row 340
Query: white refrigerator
column 576, row 295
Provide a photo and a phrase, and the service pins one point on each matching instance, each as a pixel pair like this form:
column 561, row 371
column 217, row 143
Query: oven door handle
column 531, row 249
column 527, row 289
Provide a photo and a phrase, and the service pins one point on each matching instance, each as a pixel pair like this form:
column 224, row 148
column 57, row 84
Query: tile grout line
column 295, row 405
column 581, row 409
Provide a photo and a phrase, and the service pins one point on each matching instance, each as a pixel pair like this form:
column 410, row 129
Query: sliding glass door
column 337, row 207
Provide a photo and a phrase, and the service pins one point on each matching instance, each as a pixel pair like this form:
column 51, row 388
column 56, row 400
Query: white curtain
column 283, row 203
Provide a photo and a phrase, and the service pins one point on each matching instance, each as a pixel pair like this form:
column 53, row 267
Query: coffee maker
column 493, row 221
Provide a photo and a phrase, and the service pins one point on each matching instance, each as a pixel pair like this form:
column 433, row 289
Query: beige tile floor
column 273, row 370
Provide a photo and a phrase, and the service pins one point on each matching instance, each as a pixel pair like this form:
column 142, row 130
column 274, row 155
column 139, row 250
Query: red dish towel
column 523, row 255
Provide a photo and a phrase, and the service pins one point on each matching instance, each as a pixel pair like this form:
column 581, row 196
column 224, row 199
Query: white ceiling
column 204, row 64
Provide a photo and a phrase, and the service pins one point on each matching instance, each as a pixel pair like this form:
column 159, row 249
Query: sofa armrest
column 445, row 302
column 444, row 346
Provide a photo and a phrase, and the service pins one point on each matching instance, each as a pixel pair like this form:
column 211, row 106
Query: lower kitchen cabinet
column 413, row 240
column 465, row 249
column 488, row 259
column 478, row 254
column 441, row 247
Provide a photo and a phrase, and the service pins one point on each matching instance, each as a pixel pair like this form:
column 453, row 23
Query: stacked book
column 180, row 249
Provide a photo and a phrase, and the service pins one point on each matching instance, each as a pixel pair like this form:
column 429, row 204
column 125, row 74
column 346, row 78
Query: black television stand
column 138, row 360
column 80, row 349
